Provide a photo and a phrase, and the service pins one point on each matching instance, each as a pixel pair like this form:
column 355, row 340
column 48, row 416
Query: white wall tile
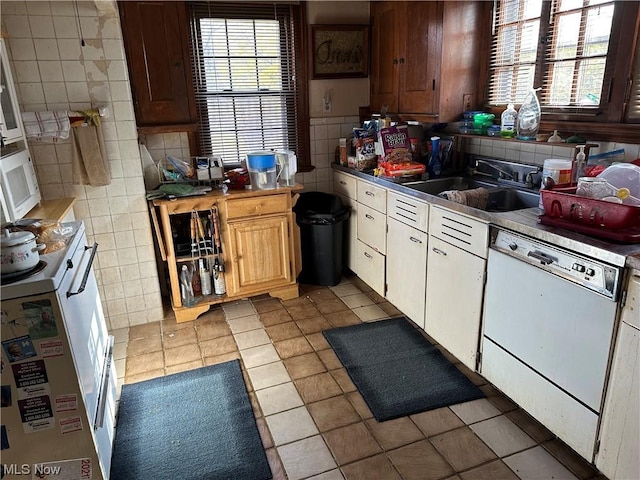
column 38, row 8
column 42, row 26
column 65, row 27
column 69, row 49
column 46, row 49
column 18, row 27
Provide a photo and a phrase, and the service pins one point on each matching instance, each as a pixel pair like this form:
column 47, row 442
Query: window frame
column 608, row 122
column 299, row 24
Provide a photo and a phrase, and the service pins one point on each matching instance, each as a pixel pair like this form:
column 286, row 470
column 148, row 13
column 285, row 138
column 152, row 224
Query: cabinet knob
column 401, row 60
column 395, row 61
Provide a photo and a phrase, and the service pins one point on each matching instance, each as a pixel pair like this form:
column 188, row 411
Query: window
column 574, row 51
column 250, row 87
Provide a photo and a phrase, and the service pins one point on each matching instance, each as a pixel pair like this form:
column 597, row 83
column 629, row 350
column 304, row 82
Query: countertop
column 525, row 221
column 56, row 209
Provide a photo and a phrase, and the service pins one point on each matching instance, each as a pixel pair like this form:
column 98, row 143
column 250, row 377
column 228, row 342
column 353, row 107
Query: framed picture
column 339, row 51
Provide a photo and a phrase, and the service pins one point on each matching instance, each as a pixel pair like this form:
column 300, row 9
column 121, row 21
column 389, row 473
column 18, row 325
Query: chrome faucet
column 533, row 178
column 500, row 173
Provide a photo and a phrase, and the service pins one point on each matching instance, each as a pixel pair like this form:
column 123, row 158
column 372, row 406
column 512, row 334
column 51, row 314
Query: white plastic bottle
column 219, row 285
column 580, row 167
column 508, row 122
column 205, row 278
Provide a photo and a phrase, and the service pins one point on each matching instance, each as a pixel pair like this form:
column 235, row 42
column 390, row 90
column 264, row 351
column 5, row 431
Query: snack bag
column 396, row 145
column 366, row 158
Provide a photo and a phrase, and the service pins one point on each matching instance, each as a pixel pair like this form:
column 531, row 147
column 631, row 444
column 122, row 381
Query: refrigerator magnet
column 18, row 348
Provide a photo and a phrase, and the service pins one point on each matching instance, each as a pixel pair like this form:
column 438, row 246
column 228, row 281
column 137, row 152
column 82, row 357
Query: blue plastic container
column 261, row 160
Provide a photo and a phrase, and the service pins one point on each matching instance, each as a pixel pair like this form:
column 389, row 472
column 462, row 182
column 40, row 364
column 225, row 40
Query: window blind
column 633, row 105
column 245, row 78
column 559, row 45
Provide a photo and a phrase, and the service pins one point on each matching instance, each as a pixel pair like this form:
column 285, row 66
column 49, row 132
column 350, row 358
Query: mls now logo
column 39, row 471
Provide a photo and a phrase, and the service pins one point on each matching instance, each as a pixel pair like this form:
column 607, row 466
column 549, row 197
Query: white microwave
column 20, row 191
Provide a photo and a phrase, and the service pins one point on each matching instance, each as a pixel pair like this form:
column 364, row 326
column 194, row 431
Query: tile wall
column 53, row 71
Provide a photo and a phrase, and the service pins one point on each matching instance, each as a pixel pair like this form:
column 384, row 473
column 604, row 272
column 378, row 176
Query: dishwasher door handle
column 544, row 259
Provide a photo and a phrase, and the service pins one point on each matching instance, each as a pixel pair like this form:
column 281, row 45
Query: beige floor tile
column 497, row 399
column 360, row 405
column 370, row 313
column 317, row 341
column 420, row 461
column 275, row 317
column 144, row 363
column 244, row 324
column 291, row 425
column 179, row 337
column 121, row 367
column 275, row 464
column 333, row 413
column 148, row 375
column 226, row 357
column 209, row 329
column 304, row 365
column 120, row 350
column 317, row 387
column 120, row 335
column 342, row 378
column 344, row 289
column 502, row 435
column 283, row 331
column 313, row 325
column 394, row 433
column 171, row 325
column 378, row 467
column 537, row 463
column 268, row 375
column 331, row 306
column 306, row 457
column 183, row 367
column 252, row 338
column 184, row 354
column 437, row 421
column 357, row 300
column 351, row 443
column 292, row 347
column 218, row 346
column 462, row 448
column 330, row 359
column 140, row 346
column 389, row 309
column 331, row 475
column 300, row 312
column 321, row 294
column 375, row 296
column 241, row 308
column 475, row 410
column 342, row 319
column 260, row 355
column 278, row 398
column 301, row 300
column 267, row 305
column 144, row 330
column 490, row 471
column 575, row 463
column 532, row 427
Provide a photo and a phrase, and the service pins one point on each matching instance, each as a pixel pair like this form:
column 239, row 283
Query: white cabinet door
column 345, row 185
column 350, row 252
column 406, row 269
column 371, row 267
column 620, row 431
column 372, row 228
column 373, row 196
column 455, row 282
column 10, row 121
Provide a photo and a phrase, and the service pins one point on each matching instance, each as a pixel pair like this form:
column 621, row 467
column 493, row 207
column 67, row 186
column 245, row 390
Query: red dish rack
column 613, row 221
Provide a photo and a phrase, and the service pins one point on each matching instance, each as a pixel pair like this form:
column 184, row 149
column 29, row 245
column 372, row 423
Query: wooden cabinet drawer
column 372, row 228
column 345, row 185
column 408, row 210
column 252, row 206
column 459, row 230
column 372, row 196
column 371, row 267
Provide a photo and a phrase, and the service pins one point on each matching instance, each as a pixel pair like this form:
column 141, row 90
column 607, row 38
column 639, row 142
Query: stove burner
column 13, row 277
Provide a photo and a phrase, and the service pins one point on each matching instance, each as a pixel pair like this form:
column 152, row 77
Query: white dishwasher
column 549, row 317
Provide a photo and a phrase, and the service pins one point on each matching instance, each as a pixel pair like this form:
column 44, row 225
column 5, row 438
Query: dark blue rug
column 193, row 425
column 396, row 369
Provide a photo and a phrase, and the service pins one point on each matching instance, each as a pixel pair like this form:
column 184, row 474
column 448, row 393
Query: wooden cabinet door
column 406, row 269
column 455, row 284
column 419, row 60
column 156, row 43
column 384, row 55
column 259, row 254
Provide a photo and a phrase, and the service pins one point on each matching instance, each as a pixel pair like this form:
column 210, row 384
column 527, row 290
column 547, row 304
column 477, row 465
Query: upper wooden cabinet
column 428, row 57
column 157, row 47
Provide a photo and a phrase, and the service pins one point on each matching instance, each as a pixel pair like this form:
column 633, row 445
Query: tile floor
column 315, row 425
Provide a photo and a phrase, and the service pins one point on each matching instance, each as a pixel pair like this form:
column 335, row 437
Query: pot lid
column 11, row 239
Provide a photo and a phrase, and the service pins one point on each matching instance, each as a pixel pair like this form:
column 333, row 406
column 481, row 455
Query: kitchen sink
column 501, row 199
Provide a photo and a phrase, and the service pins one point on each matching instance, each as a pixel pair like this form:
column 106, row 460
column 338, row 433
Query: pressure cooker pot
column 20, row 252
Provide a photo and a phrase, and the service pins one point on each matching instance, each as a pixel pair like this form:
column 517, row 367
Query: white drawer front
column 345, row 185
column 459, row 230
column 372, row 228
column 371, row 267
column 409, row 211
column 372, row 196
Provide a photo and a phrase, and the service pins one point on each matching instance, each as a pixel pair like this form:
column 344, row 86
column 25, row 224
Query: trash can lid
column 318, row 203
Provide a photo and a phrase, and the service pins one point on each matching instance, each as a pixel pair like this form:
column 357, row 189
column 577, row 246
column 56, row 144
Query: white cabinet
column 455, row 282
column 345, row 186
column 620, row 428
column 407, row 222
column 10, row 122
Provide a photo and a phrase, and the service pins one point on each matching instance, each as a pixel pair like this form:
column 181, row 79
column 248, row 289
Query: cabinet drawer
column 372, row 196
column 345, row 185
column 251, row 206
column 459, row 230
column 372, row 228
column 409, row 211
column 371, row 267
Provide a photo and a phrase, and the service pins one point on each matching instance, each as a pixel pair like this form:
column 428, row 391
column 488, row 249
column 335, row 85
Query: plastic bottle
column 528, row 117
column 579, row 169
column 434, row 166
column 205, row 278
column 219, row 286
column 555, row 138
column 508, row 122
column 195, row 280
column 186, row 288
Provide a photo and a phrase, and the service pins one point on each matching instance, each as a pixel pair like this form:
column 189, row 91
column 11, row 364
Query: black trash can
column 321, row 218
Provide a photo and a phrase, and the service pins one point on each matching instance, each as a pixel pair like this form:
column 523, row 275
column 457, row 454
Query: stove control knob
column 513, row 246
column 590, row 272
column 578, row 268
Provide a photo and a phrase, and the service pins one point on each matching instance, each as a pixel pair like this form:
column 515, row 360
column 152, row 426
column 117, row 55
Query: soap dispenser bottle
column 434, row 167
column 580, row 167
column 528, row 117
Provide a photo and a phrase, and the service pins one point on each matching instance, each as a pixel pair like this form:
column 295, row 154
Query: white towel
column 476, row 197
column 51, row 126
